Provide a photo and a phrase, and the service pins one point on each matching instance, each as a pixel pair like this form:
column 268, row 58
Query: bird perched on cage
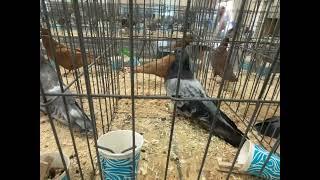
column 219, row 61
column 161, row 66
column 63, row 54
column 158, row 67
column 269, row 127
column 205, row 112
column 50, row 83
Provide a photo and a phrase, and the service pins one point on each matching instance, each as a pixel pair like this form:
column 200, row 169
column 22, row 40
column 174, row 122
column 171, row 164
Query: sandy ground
column 153, row 120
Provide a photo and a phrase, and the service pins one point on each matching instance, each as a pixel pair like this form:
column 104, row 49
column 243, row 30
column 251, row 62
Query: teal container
column 252, row 158
column 118, row 164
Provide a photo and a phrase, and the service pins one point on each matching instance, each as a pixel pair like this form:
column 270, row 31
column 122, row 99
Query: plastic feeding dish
column 115, row 149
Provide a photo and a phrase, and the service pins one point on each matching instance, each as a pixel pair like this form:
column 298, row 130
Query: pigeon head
column 182, row 58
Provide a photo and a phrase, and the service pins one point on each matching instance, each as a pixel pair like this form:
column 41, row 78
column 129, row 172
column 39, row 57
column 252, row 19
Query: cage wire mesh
column 113, row 98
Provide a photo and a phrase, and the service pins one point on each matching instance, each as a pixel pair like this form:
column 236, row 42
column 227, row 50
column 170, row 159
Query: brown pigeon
column 219, row 60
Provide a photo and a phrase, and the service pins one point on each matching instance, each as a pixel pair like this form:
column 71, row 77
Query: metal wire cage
column 120, row 34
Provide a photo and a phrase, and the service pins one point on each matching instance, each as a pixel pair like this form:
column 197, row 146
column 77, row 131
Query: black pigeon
column 269, row 127
column 202, row 111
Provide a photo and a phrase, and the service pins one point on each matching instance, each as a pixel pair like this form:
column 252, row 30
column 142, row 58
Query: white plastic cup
column 118, row 165
column 57, row 163
column 252, row 158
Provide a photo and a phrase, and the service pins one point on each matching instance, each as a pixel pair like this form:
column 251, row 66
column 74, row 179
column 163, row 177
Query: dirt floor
column 153, row 120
